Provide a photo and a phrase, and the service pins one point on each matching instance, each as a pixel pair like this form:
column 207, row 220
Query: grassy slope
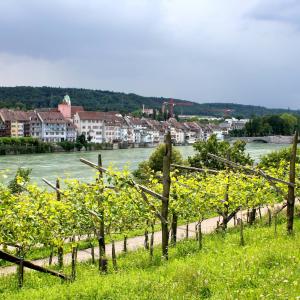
column 268, row 267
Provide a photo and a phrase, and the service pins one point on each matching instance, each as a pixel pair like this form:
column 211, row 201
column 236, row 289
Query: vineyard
column 116, row 205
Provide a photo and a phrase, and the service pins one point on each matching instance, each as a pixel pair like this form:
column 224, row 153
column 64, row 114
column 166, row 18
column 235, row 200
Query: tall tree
column 236, row 152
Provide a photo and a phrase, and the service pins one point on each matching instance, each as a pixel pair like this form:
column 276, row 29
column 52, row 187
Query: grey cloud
column 198, row 50
column 287, row 12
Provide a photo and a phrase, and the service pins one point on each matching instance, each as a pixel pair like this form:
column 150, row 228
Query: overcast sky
column 202, row 50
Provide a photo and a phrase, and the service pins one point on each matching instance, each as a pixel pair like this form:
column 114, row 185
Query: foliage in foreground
column 155, row 162
column 266, row 268
column 274, row 158
column 235, row 152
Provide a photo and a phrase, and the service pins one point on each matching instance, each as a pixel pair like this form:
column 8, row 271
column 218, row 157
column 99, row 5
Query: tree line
column 281, row 124
column 27, row 97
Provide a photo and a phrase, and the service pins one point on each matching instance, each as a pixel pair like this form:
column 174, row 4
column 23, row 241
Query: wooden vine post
column 20, row 268
column 291, row 188
column 125, row 244
column 74, row 258
column 146, row 241
column 225, row 211
column 166, row 193
column 60, row 249
column 199, row 234
column 242, row 240
column 101, row 237
column 174, row 228
column 152, row 241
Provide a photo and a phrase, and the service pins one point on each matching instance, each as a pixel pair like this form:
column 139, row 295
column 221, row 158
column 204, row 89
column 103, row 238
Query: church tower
column 65, row 107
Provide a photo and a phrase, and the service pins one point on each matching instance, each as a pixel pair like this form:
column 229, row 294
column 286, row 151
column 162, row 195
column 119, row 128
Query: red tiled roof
column 176, row 124
column 100, row 115
column 52, row 117
column 91, row 115
column 75, row 109
column 137, row 121
column 14, row 115
column 192, row 125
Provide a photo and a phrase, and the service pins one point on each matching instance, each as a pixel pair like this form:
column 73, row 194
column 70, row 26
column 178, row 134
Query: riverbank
column 24, row 145
column 17, row 146
column 273, row 139
column 29, row 145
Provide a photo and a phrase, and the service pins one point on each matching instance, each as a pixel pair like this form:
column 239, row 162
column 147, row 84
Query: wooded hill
column 25, row 97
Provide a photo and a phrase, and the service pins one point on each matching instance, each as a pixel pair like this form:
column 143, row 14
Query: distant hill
column 25, row 97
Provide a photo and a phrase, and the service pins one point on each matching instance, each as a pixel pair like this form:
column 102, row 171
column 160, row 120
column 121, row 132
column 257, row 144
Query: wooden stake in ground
column 51, row 256
column 226, row 202
column 152, row 240
column 60, row 249
column 101, row 238
column 166, row 193
column 291, row 188
column 125, row 244
column 200, row 235
column 174, row 229
column 252, row 216
column 20, row 268
column 275, row 224
column 146, row 241
column 92, row 248
column 187, row 231
column 74, row 258
column 242, row 240
column 269, row 217
column 113, row 255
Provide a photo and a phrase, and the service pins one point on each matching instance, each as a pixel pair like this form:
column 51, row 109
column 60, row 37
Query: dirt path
column 208, row 226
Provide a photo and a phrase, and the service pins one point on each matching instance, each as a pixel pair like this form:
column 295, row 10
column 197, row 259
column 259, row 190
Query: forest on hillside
column 26, row 97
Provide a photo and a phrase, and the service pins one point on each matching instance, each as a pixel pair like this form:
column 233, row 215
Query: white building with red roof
column 50, row 126
column 14, row 123
column 102, row 127
column 90, row 124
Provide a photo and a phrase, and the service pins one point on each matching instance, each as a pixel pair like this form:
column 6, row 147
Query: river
column 64, row 165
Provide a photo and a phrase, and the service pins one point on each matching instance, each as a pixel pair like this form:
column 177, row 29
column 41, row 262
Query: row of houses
column 112, row 127
column 48, row 126
column 66, row 122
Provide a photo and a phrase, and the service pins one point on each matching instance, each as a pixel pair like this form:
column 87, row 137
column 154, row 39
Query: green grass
column 267, row 267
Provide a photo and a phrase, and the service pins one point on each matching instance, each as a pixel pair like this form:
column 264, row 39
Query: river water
column 64, row 165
